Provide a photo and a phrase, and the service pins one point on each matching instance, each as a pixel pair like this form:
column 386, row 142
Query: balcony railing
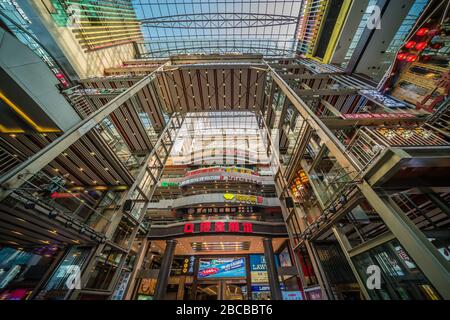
column 48, row 195
column 7, row 161
column 368, row 143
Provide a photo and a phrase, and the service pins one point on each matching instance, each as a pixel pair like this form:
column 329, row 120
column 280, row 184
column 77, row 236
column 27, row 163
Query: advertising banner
column 258, row 269
column 221, row 268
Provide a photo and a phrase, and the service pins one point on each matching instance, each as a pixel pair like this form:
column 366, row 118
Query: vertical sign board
column 121, row 286
column 258, row 269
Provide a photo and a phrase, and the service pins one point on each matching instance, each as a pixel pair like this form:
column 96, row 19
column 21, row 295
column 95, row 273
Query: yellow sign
column 243, row 198
column 228, row 196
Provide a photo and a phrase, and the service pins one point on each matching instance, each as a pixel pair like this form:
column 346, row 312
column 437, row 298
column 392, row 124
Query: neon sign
column 219, row 226
column 243, row 198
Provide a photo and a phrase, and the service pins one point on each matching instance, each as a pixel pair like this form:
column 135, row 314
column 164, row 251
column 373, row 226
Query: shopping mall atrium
column 224, row 150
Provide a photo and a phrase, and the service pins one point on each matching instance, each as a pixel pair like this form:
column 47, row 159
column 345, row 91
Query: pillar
column 164, row 272
column 272, row 271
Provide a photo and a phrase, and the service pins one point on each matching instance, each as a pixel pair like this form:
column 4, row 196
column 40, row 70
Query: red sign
column 220, row 226
column 377, row 115
column 60, row 195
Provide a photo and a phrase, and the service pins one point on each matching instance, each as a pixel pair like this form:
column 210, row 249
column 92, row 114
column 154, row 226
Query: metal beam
column 21, row 173
column 345, row 246
column 423, row 253
column 324, row 133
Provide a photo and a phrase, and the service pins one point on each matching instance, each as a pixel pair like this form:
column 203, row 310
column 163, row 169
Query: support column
column 345, row 246
column 272, row 271
column 327, row 293
column 164, row 272
column 419, row 248
column 137, row 267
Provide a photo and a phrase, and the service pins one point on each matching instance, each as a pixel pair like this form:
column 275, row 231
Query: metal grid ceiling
column 173, row 27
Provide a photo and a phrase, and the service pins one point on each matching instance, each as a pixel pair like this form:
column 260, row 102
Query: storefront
column 222, row 277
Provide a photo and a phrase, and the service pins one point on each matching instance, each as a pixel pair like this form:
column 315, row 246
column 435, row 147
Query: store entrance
column 221, row 290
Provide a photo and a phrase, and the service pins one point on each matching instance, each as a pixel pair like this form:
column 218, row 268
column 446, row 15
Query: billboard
column 221, row 268
column 258, row 269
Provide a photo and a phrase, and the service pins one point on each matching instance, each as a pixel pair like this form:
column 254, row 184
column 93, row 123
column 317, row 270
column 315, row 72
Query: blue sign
column 265, row 287
column 292, row 295
column 221, row 268
column 258, row 263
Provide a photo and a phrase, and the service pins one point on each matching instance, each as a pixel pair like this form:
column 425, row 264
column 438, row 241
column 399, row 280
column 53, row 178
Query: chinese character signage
column 220, row 210
column 188, row 265
column 218, row 226
column 377, row 116
column 243, row 198
column 221, row 268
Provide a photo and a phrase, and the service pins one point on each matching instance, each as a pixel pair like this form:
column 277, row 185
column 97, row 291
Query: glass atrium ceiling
column 172, row 27
column 219, row 138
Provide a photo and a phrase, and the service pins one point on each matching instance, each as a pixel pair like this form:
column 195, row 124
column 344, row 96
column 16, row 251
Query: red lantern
column 411, row 58
column 437, row 45
column 402, row 56
column 422, row 31
column 410, row 44
column 421, row 45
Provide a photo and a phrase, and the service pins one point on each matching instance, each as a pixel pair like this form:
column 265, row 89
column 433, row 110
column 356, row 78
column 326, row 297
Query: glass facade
column 401, row 279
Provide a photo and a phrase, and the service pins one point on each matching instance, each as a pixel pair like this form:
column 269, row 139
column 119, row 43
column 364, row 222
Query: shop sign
column 292, row 295
column 220, row 210
column 219, row 226
column 219, row 178
column 377, row 116
column 243, row 198
column 220, row 169
column 167, row 184
column 381, row 99
column 258, row 269
column 201, row 179
column 264, row 287
column 188, row 265
column 64, row 195
column 121, row 286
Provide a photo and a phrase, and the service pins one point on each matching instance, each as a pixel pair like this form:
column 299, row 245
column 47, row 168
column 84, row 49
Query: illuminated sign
column 219, row 178
column 258, row 269
column 377, row 116
column 221, row 169
column 188, row 265
column 169, row 184
column 382, row 99
column 62, row 195
column 220, row 210
column 221, row 268
column 243, row 198
column 219, row 226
